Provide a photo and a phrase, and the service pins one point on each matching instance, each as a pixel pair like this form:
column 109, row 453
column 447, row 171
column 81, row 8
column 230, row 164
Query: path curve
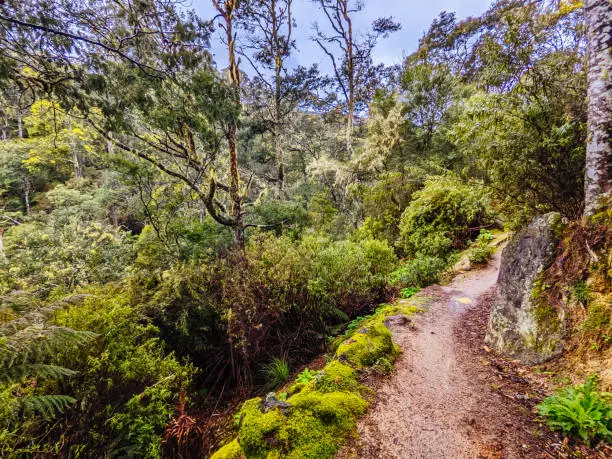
column 436, row 404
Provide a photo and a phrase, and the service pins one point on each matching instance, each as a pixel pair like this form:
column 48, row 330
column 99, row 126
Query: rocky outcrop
column 521, row 324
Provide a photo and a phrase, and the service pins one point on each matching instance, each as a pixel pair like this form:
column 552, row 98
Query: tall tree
column 270, row 25
column 353, row 70
column 228, row 10
column 598, row 177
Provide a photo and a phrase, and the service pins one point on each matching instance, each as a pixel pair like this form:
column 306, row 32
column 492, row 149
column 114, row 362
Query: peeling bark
column 598, row 150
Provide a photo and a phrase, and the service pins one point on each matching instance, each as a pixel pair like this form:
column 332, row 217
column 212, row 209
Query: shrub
column 348, row 276
column 481, row 252
column 419, row 272
column 441, row 218
column 283, row 296
column 580, row 411
column 409, row 292
column 128, row 382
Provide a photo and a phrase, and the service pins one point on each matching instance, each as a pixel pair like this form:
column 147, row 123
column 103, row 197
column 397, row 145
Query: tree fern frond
column 38, row 315
column 37, row 343
column 17, row 373
column 47, row 406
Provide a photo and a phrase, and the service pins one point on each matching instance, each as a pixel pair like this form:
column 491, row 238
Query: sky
column 415, row 16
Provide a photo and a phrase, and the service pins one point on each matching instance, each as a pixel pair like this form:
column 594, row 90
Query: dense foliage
column 191, row 232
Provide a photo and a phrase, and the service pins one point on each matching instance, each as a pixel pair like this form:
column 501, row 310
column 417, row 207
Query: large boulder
column 521, row 324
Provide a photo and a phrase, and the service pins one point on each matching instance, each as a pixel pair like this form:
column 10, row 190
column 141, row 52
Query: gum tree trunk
column 598, row 150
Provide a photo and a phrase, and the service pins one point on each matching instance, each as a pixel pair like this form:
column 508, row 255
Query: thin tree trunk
column 19, row 125
column 598, row 149
column 350, row 64
column 3, row 258
column 26, row 195
column 75, row 154
column 232, row 136
column 278, row 150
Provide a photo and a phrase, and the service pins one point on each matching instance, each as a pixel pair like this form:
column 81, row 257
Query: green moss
column 257, row 428
column 337, row 377
column 340, row 408
column 383, row 366
column 308, row 437
column 230, row 451
column 556, row 225
column 539, row 287
column 547, row 318
column 548, row 325
column 367, row 345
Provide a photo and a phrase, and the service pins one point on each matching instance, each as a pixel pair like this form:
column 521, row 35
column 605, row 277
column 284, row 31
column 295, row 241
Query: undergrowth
column 323, row 407
column 580, row 411
column 276, row 372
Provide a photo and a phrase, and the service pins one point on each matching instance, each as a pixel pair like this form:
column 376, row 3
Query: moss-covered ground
column 321, row 413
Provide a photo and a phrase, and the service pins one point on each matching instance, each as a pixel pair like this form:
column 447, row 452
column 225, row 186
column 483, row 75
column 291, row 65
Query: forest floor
column 449, row 396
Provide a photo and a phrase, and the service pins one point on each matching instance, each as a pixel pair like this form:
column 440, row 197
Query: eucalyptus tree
column 350, row 54
column 598, row 179
column 277, row 90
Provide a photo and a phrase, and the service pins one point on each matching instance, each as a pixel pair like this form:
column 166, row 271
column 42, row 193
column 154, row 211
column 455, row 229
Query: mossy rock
column 521, row 325
column 368, row 345
column 307, row 436
column 337, row 376
column 230, row 451
column 257, row 432
column 340, row 408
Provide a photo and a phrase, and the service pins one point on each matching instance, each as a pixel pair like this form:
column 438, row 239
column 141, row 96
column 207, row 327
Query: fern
column 21, row 353
column 305, row 376
column 580, row 411
column 18, row 373
column 47, row 406
column 26, row 354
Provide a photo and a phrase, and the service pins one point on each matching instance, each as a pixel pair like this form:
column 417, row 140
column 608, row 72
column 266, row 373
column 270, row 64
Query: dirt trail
column 440, row 402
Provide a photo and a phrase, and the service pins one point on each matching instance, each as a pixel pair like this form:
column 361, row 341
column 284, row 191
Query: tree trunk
column 19, row 125
column 3, row 258
column 350, row 67
column 232, row 136
column 278, row 149
column 598, row 149
column 74, row 152
column 26, row 195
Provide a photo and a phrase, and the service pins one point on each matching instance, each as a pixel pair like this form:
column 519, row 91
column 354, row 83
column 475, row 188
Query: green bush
column 281, row 298
column 441, row 218
column 348, row 276
column 419, row 272
column 481, row 252
column 128, row 382
column 580, row 411
column 409, row 292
